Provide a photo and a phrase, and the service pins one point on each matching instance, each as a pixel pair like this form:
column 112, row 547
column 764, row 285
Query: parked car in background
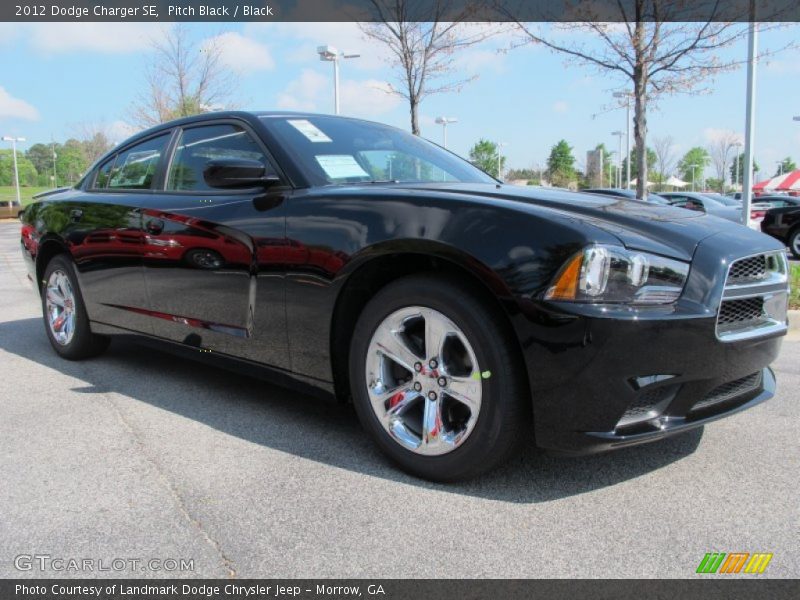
column 627, row 194
column 702, row 203
column 783, row 223
column 726, row 200
column 9, row 210
column 460, row 316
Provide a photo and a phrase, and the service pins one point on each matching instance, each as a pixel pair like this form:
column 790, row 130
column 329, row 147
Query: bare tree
column 652, row 54
column 183, row 78
column 665, row 157
column 423, row 50
column 94, row 139
column 720, row 149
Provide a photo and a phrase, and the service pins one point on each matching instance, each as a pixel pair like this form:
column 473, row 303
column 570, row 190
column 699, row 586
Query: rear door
column 213, row 259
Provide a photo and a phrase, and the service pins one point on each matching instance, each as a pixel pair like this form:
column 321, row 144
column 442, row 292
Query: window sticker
column 308, row 129
column 340, row 166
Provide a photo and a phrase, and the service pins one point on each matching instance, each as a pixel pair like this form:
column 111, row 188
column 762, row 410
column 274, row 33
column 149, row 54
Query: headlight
column 612, row 274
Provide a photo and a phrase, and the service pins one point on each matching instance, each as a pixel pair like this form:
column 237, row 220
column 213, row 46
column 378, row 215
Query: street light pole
column 619, row 135
column 750, row 109
column 444, row 122
column 14, row 140
column 627, row 97
column 331, row 54
column 499, row 167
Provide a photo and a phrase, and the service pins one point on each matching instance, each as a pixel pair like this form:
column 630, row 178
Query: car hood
column 665, row 230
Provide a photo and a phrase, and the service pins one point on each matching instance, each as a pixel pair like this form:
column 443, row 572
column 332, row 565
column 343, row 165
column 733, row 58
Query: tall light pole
column 693, row 167
column 444, row 122
column 14, row 140
column 331, row 54
column 55, row 175
column 619, row 135
column 627, row 97
column 750, row 112
column 499, row 167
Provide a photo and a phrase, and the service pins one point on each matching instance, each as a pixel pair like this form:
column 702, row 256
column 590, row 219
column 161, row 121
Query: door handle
column 155, row 226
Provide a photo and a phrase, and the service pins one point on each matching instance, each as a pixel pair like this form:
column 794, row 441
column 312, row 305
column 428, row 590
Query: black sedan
column 458, row 314
column 627, row 194
column 781, row 220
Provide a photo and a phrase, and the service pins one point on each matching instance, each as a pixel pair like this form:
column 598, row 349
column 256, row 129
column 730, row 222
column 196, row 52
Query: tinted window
column 135, row 168
column 199, row 145
column 101, row 180
column 336, row 150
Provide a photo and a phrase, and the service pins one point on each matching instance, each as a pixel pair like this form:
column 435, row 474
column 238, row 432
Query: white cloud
column 240, row 53
column 304, row 38
column 304, row 92
column 54, row 38
column 712, row 134
column 367, row 98
column 313, row 91
column 560, row 106
column 119, row 131
column 15, row 108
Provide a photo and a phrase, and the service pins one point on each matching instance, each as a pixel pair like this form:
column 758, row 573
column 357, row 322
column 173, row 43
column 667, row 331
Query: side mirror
column 229, row 173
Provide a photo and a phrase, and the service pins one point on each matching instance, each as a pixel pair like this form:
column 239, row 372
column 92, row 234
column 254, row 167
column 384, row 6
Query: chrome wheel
column 424, row 381
column 796, row 244
column 60, row 307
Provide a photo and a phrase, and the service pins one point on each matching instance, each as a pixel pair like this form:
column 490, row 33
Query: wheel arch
column 367, row 276
column 49, row 247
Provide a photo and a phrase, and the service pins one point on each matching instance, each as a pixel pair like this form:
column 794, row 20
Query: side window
column 199, row 145
column 101, row 179
column 135, row 168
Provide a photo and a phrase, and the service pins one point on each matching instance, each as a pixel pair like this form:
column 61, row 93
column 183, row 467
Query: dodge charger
column 458, row 314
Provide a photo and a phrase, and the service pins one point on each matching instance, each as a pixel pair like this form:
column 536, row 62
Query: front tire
column 437, row 380
column 64, row 312
column 794, row 243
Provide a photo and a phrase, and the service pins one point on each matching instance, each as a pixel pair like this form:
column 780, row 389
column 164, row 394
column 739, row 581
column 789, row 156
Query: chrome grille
column 754, row 299
column 730, row 390
column 753, row 268
column 749, row 310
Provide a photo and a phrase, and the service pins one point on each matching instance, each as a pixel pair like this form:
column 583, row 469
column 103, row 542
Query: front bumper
column 587, row 375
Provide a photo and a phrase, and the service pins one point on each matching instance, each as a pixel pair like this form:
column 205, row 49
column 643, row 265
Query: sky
column 58, row 78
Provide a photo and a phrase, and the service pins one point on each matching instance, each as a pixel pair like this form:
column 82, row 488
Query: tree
column 720, row 150
column 484, row 156
column 738, row 169
column 651, row 163
column 647, row 49
column 41, row 155
column 561, row 164
column 423, row 37
column 698, row 157
column 25, row 168
column 787, row 165
column 182, row 79
column 665, row 157
column 71, row 162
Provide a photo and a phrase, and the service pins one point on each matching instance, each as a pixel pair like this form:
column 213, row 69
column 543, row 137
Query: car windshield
column 333, row 150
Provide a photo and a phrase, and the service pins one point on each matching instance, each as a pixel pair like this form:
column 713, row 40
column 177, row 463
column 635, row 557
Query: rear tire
column 447, row 422
column 64, row 313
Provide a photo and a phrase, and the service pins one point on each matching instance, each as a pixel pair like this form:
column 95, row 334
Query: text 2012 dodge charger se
column 353, row 258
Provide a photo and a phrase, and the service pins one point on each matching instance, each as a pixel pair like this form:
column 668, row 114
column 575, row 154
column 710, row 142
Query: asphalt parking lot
column 139, row 454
